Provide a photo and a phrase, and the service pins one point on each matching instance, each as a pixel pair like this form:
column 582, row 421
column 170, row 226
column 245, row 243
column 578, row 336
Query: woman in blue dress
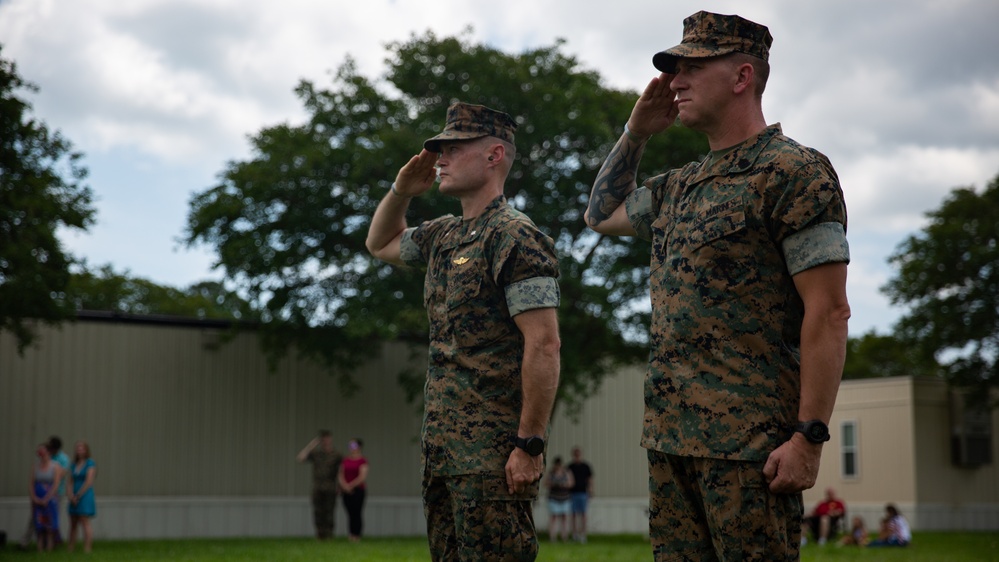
column 45, row 477
column 82, row 507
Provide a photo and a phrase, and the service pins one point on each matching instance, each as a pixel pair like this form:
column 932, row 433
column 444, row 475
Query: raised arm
column 654, row 112
column 389, row 221
column 303, row 455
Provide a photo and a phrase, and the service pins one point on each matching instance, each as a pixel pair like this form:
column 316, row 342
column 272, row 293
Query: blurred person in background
column 325, row 470
column 62, row 459
column 352, row 477
column 559, row 483
column 82, row 504
column 582, row 491
column 895, row 529
column 46, row 475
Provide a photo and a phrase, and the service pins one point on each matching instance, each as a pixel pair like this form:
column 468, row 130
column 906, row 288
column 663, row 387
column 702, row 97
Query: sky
column 158, row 95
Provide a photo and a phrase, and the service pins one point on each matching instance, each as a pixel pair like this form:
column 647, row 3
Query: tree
column 872, row 356
column 106, row 290
column 948, row 275
column 41, row 191
column 289, row 225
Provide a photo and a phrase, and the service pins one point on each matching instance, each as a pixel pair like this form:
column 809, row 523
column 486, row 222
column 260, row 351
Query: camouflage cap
column 466, row 122
column 711, row 35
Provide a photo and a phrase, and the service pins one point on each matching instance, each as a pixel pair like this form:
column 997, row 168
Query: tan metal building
column 197, row 439
column 911, row 442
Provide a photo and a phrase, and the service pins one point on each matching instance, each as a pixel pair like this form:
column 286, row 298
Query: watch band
column 815, row 431
column 533, row 445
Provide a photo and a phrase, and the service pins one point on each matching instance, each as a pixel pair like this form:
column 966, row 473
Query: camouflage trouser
column 323, row 508
column 710, row 509
column 473, row 518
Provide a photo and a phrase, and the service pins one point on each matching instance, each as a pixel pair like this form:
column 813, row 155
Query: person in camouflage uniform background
column 325, row 461
column 749, row 307
column 491, row 293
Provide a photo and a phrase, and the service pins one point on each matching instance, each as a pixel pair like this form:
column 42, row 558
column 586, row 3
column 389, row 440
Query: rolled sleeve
column 536, row 292
column 409, row 250
column 816, row 245
column 638, row 205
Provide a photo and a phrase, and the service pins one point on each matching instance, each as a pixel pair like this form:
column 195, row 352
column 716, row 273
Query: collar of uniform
column 470, row 229
column 465, row 232
column 739, row 159
column 496, row 204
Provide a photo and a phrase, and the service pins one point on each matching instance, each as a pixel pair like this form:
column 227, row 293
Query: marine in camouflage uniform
column 491, row 293
column 746, row 245
column 325, row 463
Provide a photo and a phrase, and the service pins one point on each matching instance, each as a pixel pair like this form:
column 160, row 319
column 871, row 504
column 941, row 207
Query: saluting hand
column 655, row 109
column 418, row 175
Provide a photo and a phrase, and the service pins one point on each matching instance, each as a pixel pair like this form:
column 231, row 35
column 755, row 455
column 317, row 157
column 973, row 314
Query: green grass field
column 926, row 547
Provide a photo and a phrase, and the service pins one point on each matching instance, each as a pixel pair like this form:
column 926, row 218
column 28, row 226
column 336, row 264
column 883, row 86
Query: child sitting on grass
column 858, row 533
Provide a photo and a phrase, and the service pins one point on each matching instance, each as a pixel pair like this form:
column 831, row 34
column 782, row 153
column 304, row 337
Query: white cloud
column 890, row 191
column 902, row 96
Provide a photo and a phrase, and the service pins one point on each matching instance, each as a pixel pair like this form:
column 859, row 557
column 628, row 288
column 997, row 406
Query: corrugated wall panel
column 165, row 417
column 180, row 433
column 609, row 430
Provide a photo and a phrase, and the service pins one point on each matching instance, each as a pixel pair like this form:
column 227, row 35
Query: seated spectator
column 825, row 518
column 895, row 529
column 858, row 533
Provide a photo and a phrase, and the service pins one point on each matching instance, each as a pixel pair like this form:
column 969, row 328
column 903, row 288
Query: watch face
column 534, row 446
column 817, row 432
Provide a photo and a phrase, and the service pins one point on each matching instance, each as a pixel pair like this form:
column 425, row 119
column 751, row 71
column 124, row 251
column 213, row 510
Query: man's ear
column 744, row 78
column 496, row 152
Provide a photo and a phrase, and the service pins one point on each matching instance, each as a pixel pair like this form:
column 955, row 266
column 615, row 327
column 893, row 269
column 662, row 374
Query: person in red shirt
column 826, row 517
column 353, row 474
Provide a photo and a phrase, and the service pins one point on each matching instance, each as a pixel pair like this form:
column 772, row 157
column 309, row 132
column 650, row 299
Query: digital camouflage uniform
column 325, row 465
column 723, row 385
column 727, row 236
column 480, row 274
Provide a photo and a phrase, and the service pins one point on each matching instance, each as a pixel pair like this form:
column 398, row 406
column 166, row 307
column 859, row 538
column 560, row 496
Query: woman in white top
column 895, row 529
column 45, row 477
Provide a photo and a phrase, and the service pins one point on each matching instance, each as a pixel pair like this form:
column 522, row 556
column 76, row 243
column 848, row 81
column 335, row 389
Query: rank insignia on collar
column 460, row 261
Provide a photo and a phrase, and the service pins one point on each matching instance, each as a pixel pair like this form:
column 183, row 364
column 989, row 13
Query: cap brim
column 433, row 144
column 665, row 61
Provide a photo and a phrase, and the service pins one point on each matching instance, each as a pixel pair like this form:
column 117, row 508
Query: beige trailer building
column 197, row 439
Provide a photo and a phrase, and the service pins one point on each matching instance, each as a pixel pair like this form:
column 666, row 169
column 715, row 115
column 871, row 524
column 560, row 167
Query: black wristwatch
column 815, row 430
column 534, row 445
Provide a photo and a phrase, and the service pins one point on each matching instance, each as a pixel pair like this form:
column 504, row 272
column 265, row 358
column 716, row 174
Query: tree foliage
column 288, row 225
column 106, row 290
column 41, row 191
column 948, row 275
column 873, row 356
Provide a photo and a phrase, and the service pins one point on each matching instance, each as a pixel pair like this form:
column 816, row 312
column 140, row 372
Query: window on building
column 971, row 432
column 849, row 450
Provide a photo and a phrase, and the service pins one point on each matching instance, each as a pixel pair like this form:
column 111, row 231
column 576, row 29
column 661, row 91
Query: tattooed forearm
column 615, row 180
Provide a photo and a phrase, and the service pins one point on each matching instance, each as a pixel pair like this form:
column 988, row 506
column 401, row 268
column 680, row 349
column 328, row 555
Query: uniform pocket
column 507, row 526
column 723, row 258
column 472, row 308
